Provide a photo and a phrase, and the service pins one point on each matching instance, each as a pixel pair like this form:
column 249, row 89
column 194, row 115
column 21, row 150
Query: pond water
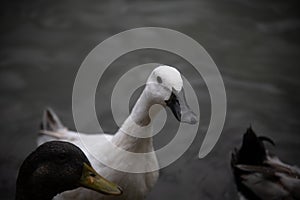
column 254, row 43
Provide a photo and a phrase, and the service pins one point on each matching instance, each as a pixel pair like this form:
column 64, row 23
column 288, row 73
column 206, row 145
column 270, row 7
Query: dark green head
column 55, row 167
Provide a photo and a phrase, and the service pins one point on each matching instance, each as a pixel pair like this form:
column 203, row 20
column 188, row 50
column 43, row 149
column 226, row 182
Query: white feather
column 135, row 185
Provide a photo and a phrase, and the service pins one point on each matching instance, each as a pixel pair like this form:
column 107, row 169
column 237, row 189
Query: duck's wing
column 271, row 182
column 289, row 175
column 282, row 167
column 264, row 187
column 51, row 121
column 51, row 128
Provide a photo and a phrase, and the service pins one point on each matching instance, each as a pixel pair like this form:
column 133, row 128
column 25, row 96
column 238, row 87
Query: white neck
column 135, row 133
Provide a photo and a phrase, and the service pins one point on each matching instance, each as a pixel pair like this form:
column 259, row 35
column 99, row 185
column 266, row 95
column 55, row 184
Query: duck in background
column 165, row 87
column 261, row 176
column 55, row 167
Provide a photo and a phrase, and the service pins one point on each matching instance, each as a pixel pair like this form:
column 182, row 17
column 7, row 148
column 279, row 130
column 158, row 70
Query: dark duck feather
column 260, row 176
column 55, row 167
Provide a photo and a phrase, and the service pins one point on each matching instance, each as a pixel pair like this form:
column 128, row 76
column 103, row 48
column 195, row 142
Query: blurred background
column 254, row 43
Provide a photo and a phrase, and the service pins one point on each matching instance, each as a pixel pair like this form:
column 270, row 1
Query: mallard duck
column 55, row 167
column 261, row 176
column 165, row 87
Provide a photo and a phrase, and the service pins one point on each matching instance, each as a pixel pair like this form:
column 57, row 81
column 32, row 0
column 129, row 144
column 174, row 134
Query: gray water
column 254, row 43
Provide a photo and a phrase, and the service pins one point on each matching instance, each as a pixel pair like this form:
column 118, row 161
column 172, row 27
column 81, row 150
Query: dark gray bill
column 177, row 103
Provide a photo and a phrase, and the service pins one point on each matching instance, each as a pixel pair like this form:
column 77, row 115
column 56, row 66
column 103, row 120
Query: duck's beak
column 177, row 103
column 92, row 180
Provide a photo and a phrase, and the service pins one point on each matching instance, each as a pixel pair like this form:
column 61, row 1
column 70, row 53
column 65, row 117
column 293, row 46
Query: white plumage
column 162, row 83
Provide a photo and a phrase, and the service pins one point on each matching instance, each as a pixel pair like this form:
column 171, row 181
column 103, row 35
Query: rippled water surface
column 254, row 43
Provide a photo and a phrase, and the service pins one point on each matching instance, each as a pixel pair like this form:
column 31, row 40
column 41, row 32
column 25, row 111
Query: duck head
column 165, row 87
column 55, row 167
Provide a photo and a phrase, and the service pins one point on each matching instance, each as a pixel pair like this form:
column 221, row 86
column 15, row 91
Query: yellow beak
column 92, row 180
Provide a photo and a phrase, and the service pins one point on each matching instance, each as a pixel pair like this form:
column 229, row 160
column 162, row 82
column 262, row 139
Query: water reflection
column 254, row 43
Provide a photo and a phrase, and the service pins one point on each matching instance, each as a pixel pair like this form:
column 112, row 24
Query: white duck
column 165, row 87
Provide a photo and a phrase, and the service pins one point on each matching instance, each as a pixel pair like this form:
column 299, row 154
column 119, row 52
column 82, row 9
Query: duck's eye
column 159, row 80
column 92, row 174
column 62, row 157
